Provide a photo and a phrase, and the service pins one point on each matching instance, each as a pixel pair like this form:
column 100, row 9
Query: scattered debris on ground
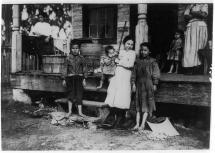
column 29, row 127
column 23, row 131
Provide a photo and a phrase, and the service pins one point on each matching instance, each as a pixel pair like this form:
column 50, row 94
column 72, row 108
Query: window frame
column 86, row 23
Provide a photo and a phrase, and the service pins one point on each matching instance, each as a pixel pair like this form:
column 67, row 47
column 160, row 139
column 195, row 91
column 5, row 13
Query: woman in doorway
column 119, row 89
column 196, row 35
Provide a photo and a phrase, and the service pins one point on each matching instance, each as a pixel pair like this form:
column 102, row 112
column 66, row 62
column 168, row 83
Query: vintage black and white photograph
column 106, row 76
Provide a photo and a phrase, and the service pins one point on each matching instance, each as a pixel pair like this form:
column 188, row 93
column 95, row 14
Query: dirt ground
column 22, row 132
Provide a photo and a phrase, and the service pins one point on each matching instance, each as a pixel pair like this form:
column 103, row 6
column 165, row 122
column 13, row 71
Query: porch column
column 141, row 31
column 16, row 59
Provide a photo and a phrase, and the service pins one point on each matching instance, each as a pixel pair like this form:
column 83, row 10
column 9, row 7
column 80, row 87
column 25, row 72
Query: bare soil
column 22, row 132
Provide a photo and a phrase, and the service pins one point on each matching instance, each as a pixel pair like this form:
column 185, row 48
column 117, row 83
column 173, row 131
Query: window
column 100, row 22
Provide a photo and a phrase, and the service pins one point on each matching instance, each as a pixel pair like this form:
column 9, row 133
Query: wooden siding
column 123, row 15
column 77, row 21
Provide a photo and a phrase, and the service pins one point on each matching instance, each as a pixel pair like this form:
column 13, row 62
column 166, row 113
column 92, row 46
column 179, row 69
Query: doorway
column 162, row 22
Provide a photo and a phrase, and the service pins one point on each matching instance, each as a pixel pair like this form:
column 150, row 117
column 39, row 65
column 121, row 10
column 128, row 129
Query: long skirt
column 119, row 89
column 195, row 38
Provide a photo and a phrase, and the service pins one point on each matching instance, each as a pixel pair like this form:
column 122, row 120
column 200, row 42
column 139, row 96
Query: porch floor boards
column 173, row 88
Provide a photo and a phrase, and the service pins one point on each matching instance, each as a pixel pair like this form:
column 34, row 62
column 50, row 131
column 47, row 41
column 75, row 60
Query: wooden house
column 104, row 24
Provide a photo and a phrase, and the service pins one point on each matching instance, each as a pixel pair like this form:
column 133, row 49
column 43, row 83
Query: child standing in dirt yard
column 74, row 78
column 144, row 81
column 108, row 64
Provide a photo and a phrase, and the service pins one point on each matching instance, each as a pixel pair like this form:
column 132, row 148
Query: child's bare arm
column 102, row 63
column 64, row 73
column 85, row 68
column 155, row 73
column 178, row 44
column 133, row 78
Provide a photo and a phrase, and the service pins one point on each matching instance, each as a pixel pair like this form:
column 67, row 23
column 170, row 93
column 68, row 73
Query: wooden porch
column 173, row 88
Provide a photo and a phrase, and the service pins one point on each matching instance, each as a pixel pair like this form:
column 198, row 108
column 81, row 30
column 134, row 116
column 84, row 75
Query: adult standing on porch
column 119, row 90
column 196, row 34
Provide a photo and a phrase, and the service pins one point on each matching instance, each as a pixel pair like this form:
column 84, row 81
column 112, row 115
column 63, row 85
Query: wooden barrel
column 92, row 49
column 53, row 63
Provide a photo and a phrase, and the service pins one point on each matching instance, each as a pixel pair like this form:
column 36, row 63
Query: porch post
column 141, row 31
column 16, row 61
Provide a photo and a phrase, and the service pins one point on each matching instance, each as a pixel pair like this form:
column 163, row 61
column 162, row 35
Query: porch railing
column 5, row 64
column 34, row 48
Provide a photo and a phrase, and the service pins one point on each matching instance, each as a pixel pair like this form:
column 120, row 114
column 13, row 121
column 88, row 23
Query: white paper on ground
column 165, row 127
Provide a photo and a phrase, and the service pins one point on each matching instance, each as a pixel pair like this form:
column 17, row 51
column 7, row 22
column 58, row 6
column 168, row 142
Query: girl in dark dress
column 144, row 82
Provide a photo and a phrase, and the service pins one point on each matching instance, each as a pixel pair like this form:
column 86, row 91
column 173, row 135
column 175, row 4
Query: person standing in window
column 196, row 35
column 119, row 89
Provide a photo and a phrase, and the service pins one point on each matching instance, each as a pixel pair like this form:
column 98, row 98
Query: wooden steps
column 85, row 103
column 94, row 104
column 103, row 110
column 91, row 88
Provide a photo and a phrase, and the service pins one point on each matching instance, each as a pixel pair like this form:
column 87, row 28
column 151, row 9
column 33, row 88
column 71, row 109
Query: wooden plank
column 174, row 78
column 37, row 82
column 85, row 102
column 94, row 103
column 184, row 93
column 165, row 77
column 91, row 88
column 181, row 92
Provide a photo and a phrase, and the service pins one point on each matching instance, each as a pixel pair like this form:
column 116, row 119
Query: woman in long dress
column 196, row 34
column 119, row 90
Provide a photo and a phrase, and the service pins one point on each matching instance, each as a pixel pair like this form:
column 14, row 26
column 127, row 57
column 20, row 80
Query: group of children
column 144, row 78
